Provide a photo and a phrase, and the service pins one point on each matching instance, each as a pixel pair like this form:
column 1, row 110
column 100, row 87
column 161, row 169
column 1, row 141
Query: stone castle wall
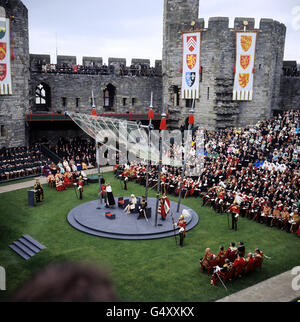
column 13, row 107
column 289, row 93
column 215, row 108
column 132, row 93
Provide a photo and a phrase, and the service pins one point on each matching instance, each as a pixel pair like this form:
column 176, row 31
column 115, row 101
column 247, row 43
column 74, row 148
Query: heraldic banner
column 244, row 66
column 5, row 67
column 191, row 65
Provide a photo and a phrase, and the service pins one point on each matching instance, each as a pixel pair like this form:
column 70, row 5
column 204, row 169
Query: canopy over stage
column 88, row 219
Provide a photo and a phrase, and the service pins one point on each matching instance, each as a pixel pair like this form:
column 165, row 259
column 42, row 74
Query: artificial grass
column 142, row 271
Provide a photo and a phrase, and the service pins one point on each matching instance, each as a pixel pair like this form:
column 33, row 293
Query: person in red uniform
column 239, row 265
column 182, row 229
column 164, row 207
column 207, row 260
column 80, row 184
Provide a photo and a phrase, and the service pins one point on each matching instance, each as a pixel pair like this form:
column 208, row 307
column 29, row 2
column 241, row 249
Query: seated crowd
column 64, row 175
column 256, row 169
column 76, row 151
column 96, row 69
column 20, row 162
column 230, row 264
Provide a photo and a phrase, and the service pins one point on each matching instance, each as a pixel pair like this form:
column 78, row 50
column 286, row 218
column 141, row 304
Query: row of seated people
column 262, row 210
column 20, row 162
column 63, row 181
column 64, row 166
column 230, row 264
column 133, row 70
column 75, row 150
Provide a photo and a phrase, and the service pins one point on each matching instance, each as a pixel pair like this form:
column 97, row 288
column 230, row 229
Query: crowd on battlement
column 133, row 70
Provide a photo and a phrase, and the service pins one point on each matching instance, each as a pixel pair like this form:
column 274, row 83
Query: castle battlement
column 223, row 23
column 36, row 60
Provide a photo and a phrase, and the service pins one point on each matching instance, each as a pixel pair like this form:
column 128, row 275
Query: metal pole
column 148, row 161
column 184, row 164
column 149, row 127
column 158, row 180
column 163, row 116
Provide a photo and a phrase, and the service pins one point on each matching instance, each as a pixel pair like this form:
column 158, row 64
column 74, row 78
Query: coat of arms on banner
column 191, row 61
column 244, row 80
column 2, row 29
column 190, row 78
column 246, row 42
column 2, row 50
column 192, row 42
column 3, row 71
column 245, row 61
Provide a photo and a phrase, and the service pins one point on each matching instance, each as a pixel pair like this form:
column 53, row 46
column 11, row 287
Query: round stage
column 88, row 219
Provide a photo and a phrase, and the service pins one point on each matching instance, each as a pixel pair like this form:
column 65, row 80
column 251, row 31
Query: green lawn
column 142, row 271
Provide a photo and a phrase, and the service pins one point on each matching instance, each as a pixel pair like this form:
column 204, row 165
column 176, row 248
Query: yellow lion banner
column 246, row 42
column 243, row 87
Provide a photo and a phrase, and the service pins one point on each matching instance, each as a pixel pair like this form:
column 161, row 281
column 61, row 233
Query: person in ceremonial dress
column 182, row 229
column 80, row 185
column 164, row 207
column 39, row 192
column 109, row 197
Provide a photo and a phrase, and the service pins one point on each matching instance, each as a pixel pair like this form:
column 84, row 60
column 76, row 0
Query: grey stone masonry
column 215, row 108
column 13, row 107
column 289, row 93
column 132, row 94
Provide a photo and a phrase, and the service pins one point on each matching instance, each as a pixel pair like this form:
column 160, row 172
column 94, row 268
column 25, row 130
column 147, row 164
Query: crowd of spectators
column 230, row 264
column 133, row 70
column 257, row 165
column 20, row 162
column 75, row 151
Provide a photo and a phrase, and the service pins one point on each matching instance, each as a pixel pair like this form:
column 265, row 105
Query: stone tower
column 13, row 107
column 215, row 107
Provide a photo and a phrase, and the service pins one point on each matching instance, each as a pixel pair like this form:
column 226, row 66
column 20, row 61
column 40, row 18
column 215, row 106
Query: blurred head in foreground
column 68, row 282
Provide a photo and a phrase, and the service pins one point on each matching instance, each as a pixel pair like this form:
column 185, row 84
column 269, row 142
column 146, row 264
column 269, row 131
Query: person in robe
column 39, row 192
column 142, row 208
column 109, row 197
column 164, row 207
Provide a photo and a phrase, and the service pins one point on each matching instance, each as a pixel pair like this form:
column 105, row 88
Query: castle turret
column 14, row 106
column 215, row 107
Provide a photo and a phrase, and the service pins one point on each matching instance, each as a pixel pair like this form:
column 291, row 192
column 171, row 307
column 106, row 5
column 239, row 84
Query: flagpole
column 191, row 123
column 163, row 126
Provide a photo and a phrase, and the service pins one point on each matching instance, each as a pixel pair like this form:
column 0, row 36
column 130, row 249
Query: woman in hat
column 131, row 206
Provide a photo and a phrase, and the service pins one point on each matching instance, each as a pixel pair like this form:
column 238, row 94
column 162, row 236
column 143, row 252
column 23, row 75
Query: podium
column 31, row 197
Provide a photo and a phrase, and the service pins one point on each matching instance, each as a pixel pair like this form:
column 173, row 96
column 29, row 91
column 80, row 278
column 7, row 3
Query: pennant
column 191, row 65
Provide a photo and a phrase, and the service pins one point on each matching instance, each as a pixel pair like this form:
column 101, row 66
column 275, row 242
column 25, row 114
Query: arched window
column 109, row 97
column 42, row 97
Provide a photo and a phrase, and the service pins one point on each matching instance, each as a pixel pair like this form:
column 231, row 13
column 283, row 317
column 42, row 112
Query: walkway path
column 43, row 180
column 275, row 289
